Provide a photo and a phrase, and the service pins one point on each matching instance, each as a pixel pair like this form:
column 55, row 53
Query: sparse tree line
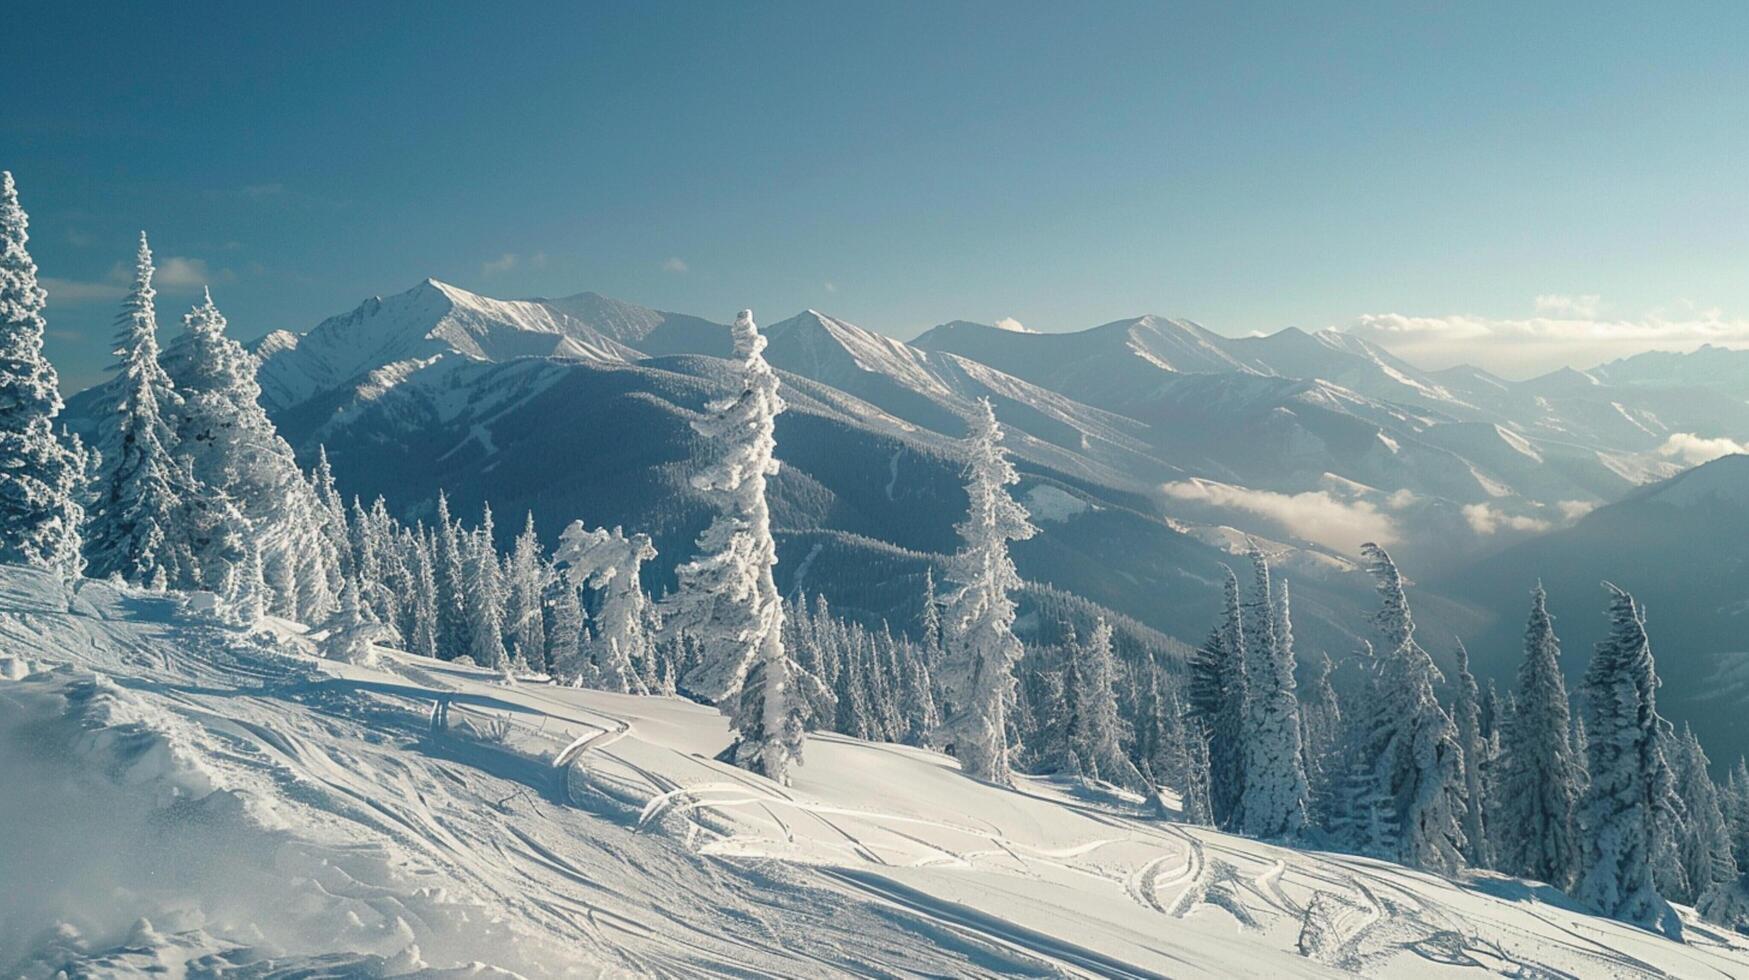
column 188, row 486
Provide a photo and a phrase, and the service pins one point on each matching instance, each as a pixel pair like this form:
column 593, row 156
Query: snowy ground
column 181, row 796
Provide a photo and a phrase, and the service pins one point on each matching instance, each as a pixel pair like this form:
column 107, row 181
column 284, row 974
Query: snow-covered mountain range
column 1148, row 447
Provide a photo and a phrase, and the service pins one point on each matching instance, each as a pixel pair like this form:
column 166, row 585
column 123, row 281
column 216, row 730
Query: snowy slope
column 182, row 796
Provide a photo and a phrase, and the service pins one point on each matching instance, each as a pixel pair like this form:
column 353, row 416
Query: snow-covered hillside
column 187, row 798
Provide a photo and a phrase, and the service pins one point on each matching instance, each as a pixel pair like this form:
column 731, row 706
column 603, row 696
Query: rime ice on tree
column 977, row 668
column 728, row 601
column 39, row 478
column 608, row 561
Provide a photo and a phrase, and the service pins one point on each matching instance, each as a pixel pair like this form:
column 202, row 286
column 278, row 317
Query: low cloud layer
column 1694, row 450
column 1316, row 516
column 1563, row 331
column 1486, row 519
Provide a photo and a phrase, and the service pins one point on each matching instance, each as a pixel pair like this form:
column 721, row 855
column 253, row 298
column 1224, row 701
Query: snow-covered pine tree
column 1194, row 805
column 930, row 621
column 567, row 657
column 1705, row 843
column 238, row 454
column 399, row 587
column 421, row 602
column 854, row 715
column 140, row 522
column 979, row 645
column 1466, row 709
column 1321, row 717
column 917, row 697
column 249, row 598
column 1632, row 791
column 1737, row 811
column 368, row 553
column 40, row 479
column 1274, row 803
column 453, row 638
column 485, row 598
column 1418, row 767
column 1098, row 732
column 727, row 598
column 333, row 510
column 352, row 631
column 609, row 562
column 1217, row 700
column 1541, row 779
column 525, row 617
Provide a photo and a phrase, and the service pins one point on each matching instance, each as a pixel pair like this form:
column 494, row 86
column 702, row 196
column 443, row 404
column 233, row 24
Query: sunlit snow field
column 180, row 795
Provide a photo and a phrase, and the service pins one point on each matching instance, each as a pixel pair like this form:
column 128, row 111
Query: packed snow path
column 184, row 796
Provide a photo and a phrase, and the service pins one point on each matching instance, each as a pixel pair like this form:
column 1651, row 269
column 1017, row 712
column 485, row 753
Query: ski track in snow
column 551, row 830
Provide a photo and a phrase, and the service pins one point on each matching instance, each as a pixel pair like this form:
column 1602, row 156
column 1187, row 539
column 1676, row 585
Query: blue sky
column 1517, row 184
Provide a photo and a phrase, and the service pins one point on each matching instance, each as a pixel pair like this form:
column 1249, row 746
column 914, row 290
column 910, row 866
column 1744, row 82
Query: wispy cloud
column 675, row 264
column 501, row 264
column 176, row 274
column 1694, row 450
column 830, row 287
column 1316, row 516
column 179, row 272
column 272, row 189
column 1487, row 519
column 1565, row 330
column 1011, row 324
column 73, row 292
column 1585, row 307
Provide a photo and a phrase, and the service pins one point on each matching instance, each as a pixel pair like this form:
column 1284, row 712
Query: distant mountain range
column 1149, row 447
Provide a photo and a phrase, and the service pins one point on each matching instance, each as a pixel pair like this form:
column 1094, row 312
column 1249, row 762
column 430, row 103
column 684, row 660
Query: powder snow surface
column 185, row 798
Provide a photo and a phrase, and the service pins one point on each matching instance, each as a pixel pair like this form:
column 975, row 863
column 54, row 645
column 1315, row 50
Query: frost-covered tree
column 1097, row 731
column 1217, row 701
column 1417, row 760
column 249, row 599
column 931, row 619
column 421, row 602
column 1542, row 778
column 352, row 631
column 333, row 510
column 1321, row 721
column 728, row 599
column 1631, row 800
column 1275, row 778
column 237, row 454
column 40, row 479
column 1705, row 843
column 1737, row 811
column 1194, row 805
column 485, row 598
column 1466, row 709
column 609, row 562
column 917, row 707
column 979, row 645
column 450, row 573
column 568, row 658
column 524, row 615
column 142, row 522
